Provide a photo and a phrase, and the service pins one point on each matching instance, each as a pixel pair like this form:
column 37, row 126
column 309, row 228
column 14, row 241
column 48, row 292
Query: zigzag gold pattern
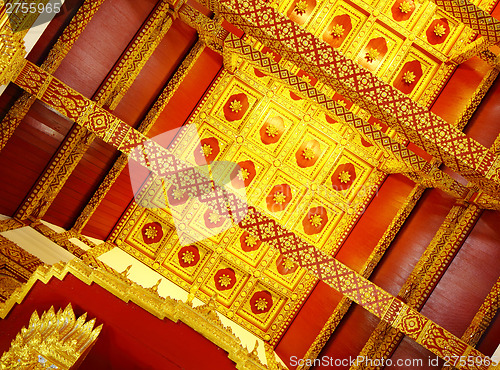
column 167, row 166
column 414, row 122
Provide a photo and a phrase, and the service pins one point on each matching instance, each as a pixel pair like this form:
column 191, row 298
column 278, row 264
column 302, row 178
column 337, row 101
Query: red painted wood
column 27, row 153
column 412, row 240
column 308, row 323
column 458, row 90
column 374, row 221
column 349, row 337
column 469, row 278
column 102, row 43
column 484, row 126
column 131, row 338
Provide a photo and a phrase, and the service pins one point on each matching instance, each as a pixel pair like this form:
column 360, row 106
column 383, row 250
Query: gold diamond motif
column 337, row 31
column 188, row 257
column 439, row 30
column 372, row 55
column 315, row 220
column 300, row 7
column 308, row 153
column 279, row 198
column 409, row 77
column 261, row 304
column 344, row 177
column 405, row 7
column 235, row 106
column 224, row 280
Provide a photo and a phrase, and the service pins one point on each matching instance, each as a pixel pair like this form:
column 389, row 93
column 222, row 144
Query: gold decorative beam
column 416, row 123
column 56, row 55
column 112, row 91
column 348, row 282
column 383, row 244
column 471, row 50
column 203, row 319
column 424, row 277
column 148, row 122
column 53, row 340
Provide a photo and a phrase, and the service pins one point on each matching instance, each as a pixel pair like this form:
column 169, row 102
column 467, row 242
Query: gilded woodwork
column 417, row 124
column 60, row 49
column 203, row 319
column 110, row 94
column 369, row 266
column 61, row 239
column 424, row 277
column 144, row 127
column 340, row 277
column 473, row 49
column 52, row 340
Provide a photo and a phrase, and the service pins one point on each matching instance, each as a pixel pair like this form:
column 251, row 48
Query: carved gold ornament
column 235, row 106
column 300, row 7
column 405, row 7
column 250, row 240
column 288, row 263
column 188, row 257
column 342, row 103
column 344, row 177
column 271, row 131
column 224, row 280
column 151, row 232
column 261, row 304
column 269, row 55
column 371, row 55
column 315, row 220
column 308, row 153
column 214, row 218
column 177, row 194
column 206, row 150
column 243, row 174
column 279, row 198
column 409, row 77
column 306, row 78
column 53, row 341
column 439, row 30
column 337, row 31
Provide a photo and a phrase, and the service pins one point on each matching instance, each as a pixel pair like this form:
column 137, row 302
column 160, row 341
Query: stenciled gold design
column 224, row 280
column 344, row 177
column 251, row 241
column 53, row 340
column 279, row 198
column 271, row 131
column 409, row 77
column 261, row 304
column 243, row 174
column 371, row 55
column 405, row 7
column 337, row 30
column 188, row 257
column 235, row 106
column 315, row 220
column 300, row 7
column 308, row 154
column 151, row 232
column 439, row 30
column 206, row 150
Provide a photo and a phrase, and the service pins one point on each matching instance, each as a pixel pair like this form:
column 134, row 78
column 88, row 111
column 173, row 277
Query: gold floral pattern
column 344, row 177
column 439, row 30
column 315, row 220
column 261, row 304
column 188, row 257
column 224, row 280
column 405, row 7
column 151, row 232
column 288, row 263
column 337, row 30
column 308, row 153
column 251, row 240
column 279, row 198
column 300, row 7
column 214, row 218
column 243, row 174
column 206, row 150
column 271, row 131
column 409, row 77
column 372, row 55
column 177, row 194
column 235, row 106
